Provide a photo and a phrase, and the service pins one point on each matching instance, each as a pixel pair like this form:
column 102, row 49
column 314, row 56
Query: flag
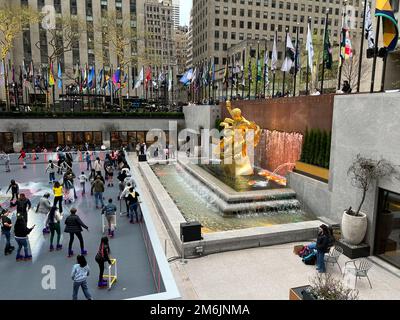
column 99, row 79
column 390, row 24
column 170, row 79
column 226, row 73
column 310, row 48
column 117, row 76
column 140, row 79
column 346, row 51
column 259, row 68
column 31, row 72
column 290, row 55
column 51, row 76
column 368, row 31
column 242, row 67
column 194, row 76
column 205, row 73
column 327, row 55
column 59, row 77
column 148, row 76
column 274, row 60
column 266, row 71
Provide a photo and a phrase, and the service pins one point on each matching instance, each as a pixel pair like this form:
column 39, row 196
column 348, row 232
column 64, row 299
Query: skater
column 14, row 191
column 98, row 189
column 22, row 155
column 110, row 212
column 6, row 226
column 52, row 169
column 82, row 180
column 79, row 275
column 6, row 157
column 107, row 162
column 21, row 232
column 64, row 167
column 88, row 161
column 97, row 166
column 44, row 207
column 114, row 157
column 58, row 196
column 124, row 195
column 73, row 226
column 53, row 221
column 110, row 175
column 69, row 184
column 102, row 256
column 133, row 199
column 23, row 206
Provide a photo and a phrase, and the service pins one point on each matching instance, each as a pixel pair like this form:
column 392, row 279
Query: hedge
column 316, row 148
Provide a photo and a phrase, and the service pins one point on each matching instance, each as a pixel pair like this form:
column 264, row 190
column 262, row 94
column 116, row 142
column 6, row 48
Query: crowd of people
column 55, row 213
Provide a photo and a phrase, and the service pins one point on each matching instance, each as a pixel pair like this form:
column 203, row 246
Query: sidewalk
column 265, row 273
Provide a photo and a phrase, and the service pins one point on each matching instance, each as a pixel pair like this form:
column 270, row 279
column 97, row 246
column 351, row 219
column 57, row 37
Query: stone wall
column 287, row 114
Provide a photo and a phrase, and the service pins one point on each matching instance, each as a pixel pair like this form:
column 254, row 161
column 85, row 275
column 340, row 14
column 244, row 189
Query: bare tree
column 350, row 71
column 13, row 19
column 363, row 172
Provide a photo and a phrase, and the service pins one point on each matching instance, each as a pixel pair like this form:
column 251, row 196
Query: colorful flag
column 194, row 76
column 259, row 68
column 31, row 72
column 226, row 73
column 290, row 55
column 346, row 51
column 99, row 79
column 368, row 30
column 117, row 76
column 310, row 48
column 274, row 58
column 59, row 76
column 51, row 76
column 390, row 25
column 148, row 76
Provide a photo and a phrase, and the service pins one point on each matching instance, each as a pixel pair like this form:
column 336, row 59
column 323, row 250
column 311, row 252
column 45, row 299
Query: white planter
column 354, row 228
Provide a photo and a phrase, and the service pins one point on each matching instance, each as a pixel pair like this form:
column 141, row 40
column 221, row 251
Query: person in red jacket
column 22, row 155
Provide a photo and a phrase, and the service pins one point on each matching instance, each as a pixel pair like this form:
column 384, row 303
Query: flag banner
column 226, row 73
column 327, row 50
column 59, row 76
column 51, row 76
column 170, row 80
column 310, row 48
column 274, row 58
column 194, row 76
column 91, row 78
column 31, row 72
column 117, row 76
column 390, row 24
column 140, row 79
column 368, row 29
column 346, row 51
column 259, row 68
column 290, row 55
column 148, row 77
column 99, row 79
column 266, row 67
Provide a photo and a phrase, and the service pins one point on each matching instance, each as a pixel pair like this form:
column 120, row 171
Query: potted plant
column 327, row 287
column 363, row 172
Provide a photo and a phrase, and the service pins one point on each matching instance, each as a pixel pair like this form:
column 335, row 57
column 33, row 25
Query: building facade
column 221, row 24
column 94, row 46
column 189, row 61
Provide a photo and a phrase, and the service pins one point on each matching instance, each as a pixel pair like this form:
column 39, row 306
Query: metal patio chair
column 360, row 269
column 333, row 256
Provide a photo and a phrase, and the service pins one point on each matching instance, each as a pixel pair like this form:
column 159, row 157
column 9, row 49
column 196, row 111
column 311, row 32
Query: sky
column 186, row 5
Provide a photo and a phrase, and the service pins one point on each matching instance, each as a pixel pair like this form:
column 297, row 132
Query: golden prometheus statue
column 238, row 136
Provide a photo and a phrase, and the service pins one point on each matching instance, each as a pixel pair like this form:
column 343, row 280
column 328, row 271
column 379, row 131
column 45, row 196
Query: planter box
column 312, row 171
column 300, row 294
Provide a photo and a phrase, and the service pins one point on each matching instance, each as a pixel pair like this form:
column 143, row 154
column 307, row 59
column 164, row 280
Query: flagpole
column 341, row 56
column 249, row 74
column 361, row 48
column 323, row 60
column 227, row 78
column 232, row 66
column 284, row 72
column 243, row 75
column 258, row 61
column 265, row 68
column 384, row 69
column 296, row 64
column 308, row 60
column 375, row 55
column 209, row 82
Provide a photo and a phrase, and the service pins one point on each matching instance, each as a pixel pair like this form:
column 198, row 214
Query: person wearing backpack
column 79, row 275
column 322, row 247
column 103, row 256
column 110, row 212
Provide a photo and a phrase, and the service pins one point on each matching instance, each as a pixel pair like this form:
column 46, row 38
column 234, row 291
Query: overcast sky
column 186, row 5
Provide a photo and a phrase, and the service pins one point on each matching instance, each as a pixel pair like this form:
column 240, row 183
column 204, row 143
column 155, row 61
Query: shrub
column 326, row 287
